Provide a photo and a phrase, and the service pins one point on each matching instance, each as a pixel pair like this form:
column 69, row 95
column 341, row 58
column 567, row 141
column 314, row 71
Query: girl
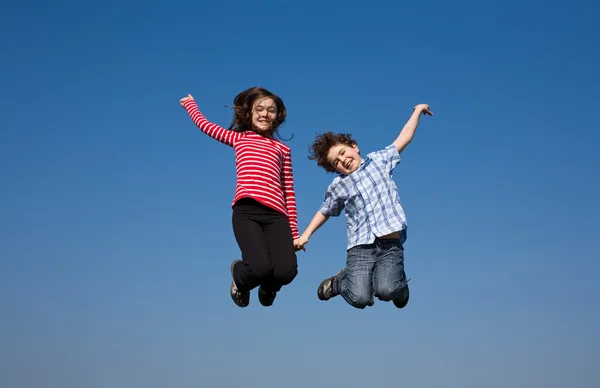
column 264, row 205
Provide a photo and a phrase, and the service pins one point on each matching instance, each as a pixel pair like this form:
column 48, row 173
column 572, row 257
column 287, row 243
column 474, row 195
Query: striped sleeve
column 289, row 194
column 213, row 130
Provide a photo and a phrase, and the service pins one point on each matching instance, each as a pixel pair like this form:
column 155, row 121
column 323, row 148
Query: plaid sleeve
column 333, row 204
column 388, row 156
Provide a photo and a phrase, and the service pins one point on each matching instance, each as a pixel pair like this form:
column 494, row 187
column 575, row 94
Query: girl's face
column 264, row 112
column 344, row 159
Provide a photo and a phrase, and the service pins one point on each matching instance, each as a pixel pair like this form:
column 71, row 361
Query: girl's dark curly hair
column 320, row 147
column 242, row 107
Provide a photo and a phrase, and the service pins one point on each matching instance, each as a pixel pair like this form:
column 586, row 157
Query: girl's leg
column 281, row 249
column 255, row 266
column 283, row 257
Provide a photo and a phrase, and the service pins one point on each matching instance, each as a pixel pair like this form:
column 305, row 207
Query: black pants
column 265, row 239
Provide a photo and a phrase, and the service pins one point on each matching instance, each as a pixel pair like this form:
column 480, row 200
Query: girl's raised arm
column 213, row 130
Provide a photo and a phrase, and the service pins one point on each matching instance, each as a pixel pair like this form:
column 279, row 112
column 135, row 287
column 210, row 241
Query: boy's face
column 344, row 159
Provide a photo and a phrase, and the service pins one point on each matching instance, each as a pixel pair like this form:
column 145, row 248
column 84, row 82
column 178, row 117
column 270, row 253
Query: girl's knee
column 261, row 271
column 286, row 275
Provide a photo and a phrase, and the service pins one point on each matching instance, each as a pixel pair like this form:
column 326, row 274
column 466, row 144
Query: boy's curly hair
column 320, row 147
column 242, row 108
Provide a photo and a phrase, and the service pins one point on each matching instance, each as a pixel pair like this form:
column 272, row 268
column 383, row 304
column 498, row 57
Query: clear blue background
column 115, row 219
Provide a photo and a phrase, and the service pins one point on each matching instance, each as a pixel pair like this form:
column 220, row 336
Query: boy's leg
column 255, row 265
column 354, row 283
column 389, row 278
column 280, row 245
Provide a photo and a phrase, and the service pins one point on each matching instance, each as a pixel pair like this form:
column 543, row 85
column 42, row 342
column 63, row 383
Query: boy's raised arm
column 408, row 132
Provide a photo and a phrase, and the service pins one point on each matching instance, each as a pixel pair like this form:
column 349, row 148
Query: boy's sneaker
column 402, row 300
column 242, row 299
column 266, row 298
column 325, row 291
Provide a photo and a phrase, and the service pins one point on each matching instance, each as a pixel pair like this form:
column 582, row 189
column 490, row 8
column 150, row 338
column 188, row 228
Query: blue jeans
column 373, row 270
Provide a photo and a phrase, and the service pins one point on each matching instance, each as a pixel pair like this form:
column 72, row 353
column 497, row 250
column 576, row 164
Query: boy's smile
column 344, row 159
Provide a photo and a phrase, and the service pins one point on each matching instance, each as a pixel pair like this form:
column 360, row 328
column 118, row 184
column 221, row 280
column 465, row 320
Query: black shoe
column 266, row 298
column 402, row 300
column 325, row 291
column 242, row 299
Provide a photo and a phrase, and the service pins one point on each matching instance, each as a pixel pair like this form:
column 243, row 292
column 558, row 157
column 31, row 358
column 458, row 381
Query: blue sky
column 115, row 214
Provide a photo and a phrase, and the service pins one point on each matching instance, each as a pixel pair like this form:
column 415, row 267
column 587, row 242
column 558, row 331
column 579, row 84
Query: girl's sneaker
column 242, row 299
column 266, row 298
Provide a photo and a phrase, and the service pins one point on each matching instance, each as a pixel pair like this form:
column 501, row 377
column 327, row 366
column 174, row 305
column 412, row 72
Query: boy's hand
column 423, row 109
column 186, row 99
column 299, row 243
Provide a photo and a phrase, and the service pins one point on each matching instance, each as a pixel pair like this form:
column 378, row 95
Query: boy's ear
column 355, row 146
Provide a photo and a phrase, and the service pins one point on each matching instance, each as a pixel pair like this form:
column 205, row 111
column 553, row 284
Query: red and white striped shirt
column 264, row 166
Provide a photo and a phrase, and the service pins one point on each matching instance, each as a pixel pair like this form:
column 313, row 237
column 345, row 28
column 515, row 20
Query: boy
column 375, row 220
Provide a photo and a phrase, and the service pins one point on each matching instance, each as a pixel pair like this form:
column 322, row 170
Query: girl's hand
column 299, row 243
column 186, row 99
column 424, row 109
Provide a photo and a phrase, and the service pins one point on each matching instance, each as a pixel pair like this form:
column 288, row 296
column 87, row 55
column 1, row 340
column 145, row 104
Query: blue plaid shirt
column 370, row 198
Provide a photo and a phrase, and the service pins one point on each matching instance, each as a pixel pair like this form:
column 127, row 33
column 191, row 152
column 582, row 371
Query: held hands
column 186, row 99
column 423, row 109
column 299, row 243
